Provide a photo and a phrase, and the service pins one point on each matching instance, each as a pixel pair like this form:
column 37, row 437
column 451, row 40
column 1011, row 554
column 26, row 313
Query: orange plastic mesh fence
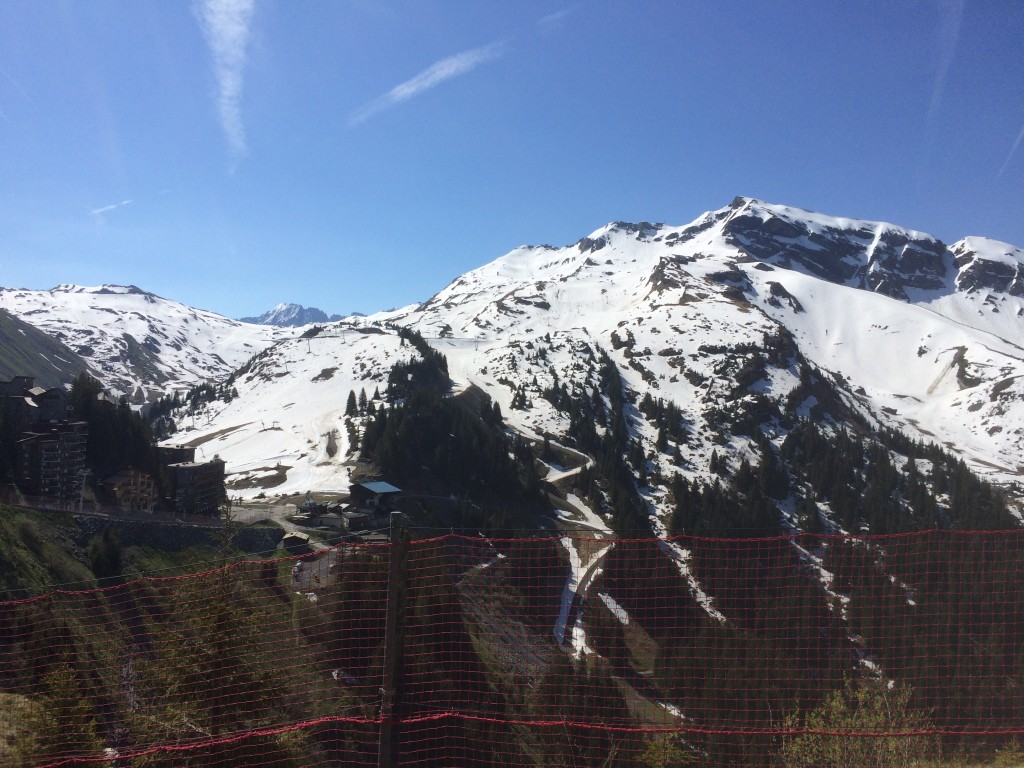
column 574, row 651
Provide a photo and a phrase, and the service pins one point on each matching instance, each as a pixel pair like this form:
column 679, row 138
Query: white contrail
column 553, row 21
column 951, row 14
column 108, row 208
column 1012, row 152
column 225, row 25
column 432, row 76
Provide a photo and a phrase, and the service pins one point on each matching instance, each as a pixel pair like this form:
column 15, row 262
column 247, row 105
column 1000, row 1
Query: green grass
column 17, row 713
column 150, row 561
column 37, row 553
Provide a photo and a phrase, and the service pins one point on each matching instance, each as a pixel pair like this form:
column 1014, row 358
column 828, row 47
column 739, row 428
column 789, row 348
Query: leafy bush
column 867, row 725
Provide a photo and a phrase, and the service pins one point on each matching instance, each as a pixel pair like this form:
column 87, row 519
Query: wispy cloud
column 553, row 21
column 225, row 25
column 98, row 212
column 20, row 90
column 1011, row 153
column 951, row 14
column 431, row 77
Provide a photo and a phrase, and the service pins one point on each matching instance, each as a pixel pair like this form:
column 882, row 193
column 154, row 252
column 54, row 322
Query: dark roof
column 380, row 487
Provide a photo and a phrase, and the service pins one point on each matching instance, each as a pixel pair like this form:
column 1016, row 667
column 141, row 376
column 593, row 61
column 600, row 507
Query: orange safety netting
column 568, row 650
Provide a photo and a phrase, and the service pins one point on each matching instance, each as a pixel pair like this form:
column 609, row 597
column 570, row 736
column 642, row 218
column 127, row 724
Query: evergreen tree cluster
column 160, row 413
column 118, row 436
column 361, row 405
column 668, row 418
column 454, row 445
column 721, row 509
column 159, row 416
column 599, row 426
column 941, row 601
column 888, row 483
column 428, row 372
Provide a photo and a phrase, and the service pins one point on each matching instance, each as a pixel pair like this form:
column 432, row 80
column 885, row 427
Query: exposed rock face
column 899, row 262
column 873, row 256
column 830, row 254
column 988, row 265
column 878, row 257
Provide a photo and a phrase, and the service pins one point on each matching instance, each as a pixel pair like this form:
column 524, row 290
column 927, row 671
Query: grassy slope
column 27, row 351
column 37, row 552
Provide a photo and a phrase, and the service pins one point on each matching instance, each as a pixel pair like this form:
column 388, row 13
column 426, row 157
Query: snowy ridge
column 728, row 315
column 136, row 343
column 298, row 441
column 675, row 306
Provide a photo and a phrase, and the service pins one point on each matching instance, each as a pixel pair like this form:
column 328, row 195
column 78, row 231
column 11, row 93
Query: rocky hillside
column 747, row 320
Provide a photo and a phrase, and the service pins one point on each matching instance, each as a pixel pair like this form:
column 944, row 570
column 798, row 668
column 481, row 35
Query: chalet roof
column 190, row 464
column 380, row 487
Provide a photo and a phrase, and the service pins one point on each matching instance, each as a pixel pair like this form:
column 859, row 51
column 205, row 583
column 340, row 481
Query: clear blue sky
column 358, row 155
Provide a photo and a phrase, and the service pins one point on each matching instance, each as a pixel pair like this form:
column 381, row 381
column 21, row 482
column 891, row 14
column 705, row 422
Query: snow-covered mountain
column 137, row 343
column 291, row 316
column 751, row 313
column 755, row 321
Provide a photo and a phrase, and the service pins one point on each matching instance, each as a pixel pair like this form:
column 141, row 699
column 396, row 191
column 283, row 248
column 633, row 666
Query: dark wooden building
column 377, row 496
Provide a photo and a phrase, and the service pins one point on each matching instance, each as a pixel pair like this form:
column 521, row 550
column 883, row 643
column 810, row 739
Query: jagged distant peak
column 290, row 316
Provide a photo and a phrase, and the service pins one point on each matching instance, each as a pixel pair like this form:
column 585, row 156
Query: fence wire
column 556, row 651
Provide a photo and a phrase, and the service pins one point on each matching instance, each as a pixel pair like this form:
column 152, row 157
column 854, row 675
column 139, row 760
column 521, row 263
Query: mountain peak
column 291, row 316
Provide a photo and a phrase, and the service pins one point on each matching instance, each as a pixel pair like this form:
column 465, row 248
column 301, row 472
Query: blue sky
column 358, row 155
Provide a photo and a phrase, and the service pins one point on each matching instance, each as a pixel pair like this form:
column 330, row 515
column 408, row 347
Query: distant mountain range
column 135, row 342
column 291, row 316
column 748, row 319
